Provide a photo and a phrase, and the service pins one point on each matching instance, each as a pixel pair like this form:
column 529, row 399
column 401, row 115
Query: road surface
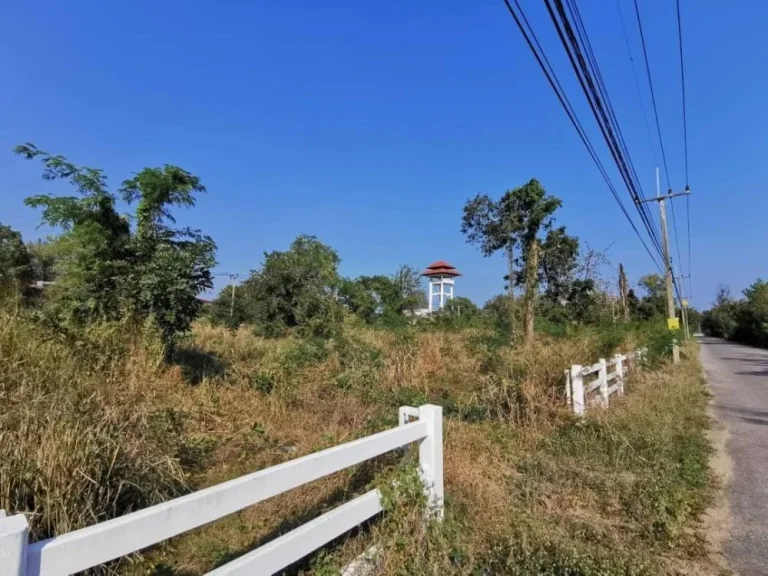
column 738, row 378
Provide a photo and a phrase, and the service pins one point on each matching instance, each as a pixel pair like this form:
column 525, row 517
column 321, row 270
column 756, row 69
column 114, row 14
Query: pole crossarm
column 665, row 197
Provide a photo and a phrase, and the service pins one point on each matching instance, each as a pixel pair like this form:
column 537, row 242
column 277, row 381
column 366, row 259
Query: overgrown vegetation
column 104, row 270
column 115, row 394
column 743, row 320
column 528, row 488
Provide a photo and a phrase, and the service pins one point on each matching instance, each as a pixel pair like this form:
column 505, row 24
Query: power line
column 561, row 96
column 653, row 95
column 597, row 100
column 590, row 79
column 633, row 181
column 640, row 98
column 637, row 81
column 658, row 129
column 682, row 78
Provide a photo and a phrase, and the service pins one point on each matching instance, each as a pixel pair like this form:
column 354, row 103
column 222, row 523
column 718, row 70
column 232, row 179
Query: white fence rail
column 100, row 543
column 582, row 390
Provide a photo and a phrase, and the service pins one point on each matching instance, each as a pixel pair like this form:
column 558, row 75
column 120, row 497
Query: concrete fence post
column 405, row 413
column 431, row 458
column 577, row 390
column 603, row 379
column 620, row 374
column 14, row 536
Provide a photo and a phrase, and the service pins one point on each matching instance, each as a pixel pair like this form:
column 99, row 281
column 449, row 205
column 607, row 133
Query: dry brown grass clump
column 79, row 440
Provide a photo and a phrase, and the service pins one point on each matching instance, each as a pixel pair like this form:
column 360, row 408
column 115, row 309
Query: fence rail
column 100, row 543
column 579, row 394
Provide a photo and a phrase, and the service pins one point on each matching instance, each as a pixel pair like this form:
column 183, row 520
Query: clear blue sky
column 369, row 124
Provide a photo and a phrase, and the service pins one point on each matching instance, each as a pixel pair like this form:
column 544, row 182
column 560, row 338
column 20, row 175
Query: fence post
column 405, row 413
column 568, row 388
column 14, row 536
column 603, row 379
column 577, row 390
column 431, row 458
column 620, row 374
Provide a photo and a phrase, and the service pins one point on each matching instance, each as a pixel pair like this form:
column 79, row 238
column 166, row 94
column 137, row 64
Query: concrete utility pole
column 684, row 306
column 667, row 265
column 234, row 278
column 672, row 321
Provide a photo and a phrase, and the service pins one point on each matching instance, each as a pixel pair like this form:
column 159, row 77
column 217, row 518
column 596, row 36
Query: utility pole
column 672, row 321
column 667, row 265
column 233, row 277
column 684, row 306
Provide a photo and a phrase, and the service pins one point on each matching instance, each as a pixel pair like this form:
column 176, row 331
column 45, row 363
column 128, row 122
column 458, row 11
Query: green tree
column 461, row 307
column 46, row 255
column 169, row 267
column 513, row 222
column 752, row 315
column 654, row 304
column 15, row 264
column 96, row 239
column 500, row 310
column 405, row 294
column 362, row 296
column 371, row 297
column 296, row 289
column 104, row 271
column 558, row 262
column 232, row 308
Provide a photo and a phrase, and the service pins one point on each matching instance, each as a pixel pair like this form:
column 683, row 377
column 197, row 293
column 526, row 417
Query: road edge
column 717, row 518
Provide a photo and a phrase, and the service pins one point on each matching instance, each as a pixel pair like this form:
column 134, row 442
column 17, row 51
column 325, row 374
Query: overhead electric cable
column 533, row 43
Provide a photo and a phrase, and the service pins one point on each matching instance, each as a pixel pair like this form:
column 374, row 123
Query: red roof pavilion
column 440, row 268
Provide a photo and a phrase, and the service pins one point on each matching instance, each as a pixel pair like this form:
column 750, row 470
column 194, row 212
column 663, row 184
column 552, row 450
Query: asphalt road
column 738, row 378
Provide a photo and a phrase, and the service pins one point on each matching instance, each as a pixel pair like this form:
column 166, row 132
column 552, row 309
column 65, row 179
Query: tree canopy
column 514, row 221
column 105, row 270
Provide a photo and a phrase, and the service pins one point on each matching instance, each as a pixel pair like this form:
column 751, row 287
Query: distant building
column 440, row 282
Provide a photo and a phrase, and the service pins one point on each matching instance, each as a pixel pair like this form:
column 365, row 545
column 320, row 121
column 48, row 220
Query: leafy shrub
column 264, row 382
column 304, row 353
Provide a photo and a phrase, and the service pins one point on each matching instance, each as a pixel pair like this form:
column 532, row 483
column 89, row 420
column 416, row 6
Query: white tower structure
column 440, row 277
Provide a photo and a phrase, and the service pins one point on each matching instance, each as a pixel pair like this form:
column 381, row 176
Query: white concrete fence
column 582, row 390
column 100, row 543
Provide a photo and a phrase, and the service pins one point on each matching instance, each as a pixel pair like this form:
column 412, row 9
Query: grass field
column 100, row 424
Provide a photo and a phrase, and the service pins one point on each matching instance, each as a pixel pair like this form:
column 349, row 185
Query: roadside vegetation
column 742, row 320
column 119, row 389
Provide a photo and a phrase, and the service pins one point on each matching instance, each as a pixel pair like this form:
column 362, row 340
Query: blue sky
column 369, row 124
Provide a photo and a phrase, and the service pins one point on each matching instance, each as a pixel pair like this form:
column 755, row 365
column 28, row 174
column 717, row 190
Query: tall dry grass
column 95, row 425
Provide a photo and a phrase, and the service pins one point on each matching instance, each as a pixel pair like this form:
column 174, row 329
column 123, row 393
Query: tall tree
column 514, row 221
column 170, row 267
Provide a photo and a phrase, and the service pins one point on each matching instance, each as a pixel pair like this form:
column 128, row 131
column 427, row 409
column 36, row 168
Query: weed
column 264, row 382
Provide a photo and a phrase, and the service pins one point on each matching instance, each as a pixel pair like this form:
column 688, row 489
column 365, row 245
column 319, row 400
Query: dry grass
column 112, row 428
